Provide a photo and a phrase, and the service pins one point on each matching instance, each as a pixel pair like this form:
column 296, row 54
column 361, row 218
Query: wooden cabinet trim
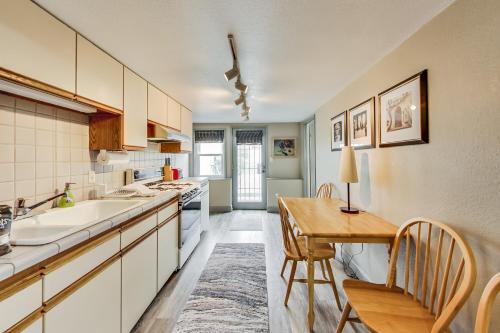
column 26, row 322
column 168, row 220
column 72, row 254
column 65, row 293
column 138, row 219
column 168, row 203
column 138, row 241
column 99, row 105
column 23, row 283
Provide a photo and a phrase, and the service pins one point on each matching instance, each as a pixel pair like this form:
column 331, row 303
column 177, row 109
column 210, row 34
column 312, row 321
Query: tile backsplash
column 42, row 147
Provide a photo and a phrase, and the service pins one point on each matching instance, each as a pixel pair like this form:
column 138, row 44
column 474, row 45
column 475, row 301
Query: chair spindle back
column 325, row 191
column 289, row 238
column 433, row 292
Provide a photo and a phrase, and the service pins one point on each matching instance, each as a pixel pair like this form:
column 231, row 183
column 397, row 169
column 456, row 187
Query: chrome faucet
column 21, row 212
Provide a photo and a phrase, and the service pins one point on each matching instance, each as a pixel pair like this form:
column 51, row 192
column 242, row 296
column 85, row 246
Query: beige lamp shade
column 348, row 170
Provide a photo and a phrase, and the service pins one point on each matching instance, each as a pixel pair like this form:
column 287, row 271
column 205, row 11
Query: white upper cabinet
column 174, row 114
column 37, row 45
column 135, row 110
column 157, row 105
column 99, row 77
column 186, row 128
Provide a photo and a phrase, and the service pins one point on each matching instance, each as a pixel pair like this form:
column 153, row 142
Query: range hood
column 42, row 96
column 158, row 134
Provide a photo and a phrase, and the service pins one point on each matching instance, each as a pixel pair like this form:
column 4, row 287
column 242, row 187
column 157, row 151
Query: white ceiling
column 294, row 55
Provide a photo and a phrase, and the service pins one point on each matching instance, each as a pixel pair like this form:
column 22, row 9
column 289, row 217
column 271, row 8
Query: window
column 209, row 153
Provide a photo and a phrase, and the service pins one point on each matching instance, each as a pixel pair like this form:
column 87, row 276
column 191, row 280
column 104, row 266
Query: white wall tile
column 78, row 180
column 7, row 100
column 45, row 185
column 45, row 138
column 63, row 114
column 63, row 126
column 45, row 122
column 61, row 182
column 25, row 104
column 45, row 169
column 25, row 153
column 6, row 134
column 25, row 119
column 25, row 171
column 7, row 191
column 25, row 188
column 76, row 141
column 7, row 116
column 6, row 172
column 63, row 139
column 44, row 154
column 6, row 153
column 63, row 154
column 76, row 155
column 45, row 109
column 63, row 169
column 25, row 136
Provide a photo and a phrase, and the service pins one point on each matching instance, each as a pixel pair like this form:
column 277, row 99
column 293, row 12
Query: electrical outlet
column 91, row 177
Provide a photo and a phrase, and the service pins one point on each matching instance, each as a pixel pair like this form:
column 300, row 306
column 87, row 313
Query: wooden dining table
column 320, row 220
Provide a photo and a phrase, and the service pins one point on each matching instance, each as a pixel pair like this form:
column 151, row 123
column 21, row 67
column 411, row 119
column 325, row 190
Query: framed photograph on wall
column 284, row 147
column 403, row 113
column 338, row 131
column 362, row 125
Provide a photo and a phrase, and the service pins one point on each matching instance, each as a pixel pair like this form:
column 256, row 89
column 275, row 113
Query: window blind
column 249, row 137
column 209, row 136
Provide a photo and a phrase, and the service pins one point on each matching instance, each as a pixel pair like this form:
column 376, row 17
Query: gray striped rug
column 231, row 295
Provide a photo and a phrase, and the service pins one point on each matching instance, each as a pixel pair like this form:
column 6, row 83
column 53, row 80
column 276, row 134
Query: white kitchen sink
column 58, row 223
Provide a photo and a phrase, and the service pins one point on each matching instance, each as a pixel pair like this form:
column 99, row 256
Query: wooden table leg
column 310, row 280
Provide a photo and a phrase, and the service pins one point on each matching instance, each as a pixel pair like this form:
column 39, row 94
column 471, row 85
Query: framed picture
column 362, row 125
column 338, row 131
column 284, row 147
column 403, row 113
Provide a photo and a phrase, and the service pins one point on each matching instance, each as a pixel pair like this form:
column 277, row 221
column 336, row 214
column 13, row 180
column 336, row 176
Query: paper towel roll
column 113, row 157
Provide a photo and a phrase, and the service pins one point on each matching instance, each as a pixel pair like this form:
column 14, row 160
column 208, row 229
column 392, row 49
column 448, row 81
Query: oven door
column 190, row 219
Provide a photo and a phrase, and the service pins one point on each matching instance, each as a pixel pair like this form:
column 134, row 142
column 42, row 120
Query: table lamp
column 348, row 174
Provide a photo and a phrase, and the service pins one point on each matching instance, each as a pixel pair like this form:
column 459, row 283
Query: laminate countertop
column 23, row 257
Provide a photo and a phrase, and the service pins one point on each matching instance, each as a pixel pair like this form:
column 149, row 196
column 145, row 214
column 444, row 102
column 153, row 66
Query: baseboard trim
column 272, row 209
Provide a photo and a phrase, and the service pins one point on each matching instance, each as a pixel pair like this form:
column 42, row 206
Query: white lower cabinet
column 168, row 250
column 139, row 275
column 205, row 210
column 94, row 307
column 35, row 327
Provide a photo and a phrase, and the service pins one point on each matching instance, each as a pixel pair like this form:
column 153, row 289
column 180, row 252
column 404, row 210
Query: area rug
column 247, row 223
column 231, row 294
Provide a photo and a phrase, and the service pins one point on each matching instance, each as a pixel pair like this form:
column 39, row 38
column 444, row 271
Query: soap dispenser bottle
column 68, row 199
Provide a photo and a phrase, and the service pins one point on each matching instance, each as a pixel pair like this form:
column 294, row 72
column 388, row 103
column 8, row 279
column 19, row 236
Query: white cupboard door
column 139, row 274
column 35, row 327
column 174, row 114
column 168, row 250
column 37, row 45
column 135, row 110
column 94, row 307
column 18, row 306
column 99, row 77
column 157, row 105
column 187, row 128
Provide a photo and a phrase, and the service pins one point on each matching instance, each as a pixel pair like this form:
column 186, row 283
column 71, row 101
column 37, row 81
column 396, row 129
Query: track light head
column 232, row 73
column 240, row 99
column 240, row 86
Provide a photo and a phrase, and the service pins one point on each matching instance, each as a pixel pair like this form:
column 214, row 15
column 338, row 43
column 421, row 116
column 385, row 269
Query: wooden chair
column 486, row 304
column 296, row 250
column 325, row 190
column 423, row 305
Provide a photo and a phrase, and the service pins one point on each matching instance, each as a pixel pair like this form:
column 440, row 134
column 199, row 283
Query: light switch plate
column 91, row 177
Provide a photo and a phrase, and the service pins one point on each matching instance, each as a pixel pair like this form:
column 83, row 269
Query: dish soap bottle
column 68, row 199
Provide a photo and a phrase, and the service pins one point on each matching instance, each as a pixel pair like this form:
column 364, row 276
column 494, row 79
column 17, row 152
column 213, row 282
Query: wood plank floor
column 166, row 308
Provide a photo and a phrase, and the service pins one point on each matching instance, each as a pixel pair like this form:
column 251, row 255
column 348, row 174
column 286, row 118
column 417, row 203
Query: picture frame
column 284, row 147
column 403, row 113
column 338, row 131
column 361, row 122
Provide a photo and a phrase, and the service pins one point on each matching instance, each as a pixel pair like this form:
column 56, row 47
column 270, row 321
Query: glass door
column 249, row 169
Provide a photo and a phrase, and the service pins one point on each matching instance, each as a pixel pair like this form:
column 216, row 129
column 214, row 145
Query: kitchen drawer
column 166, row 212
column 21, row 304
column 56, row 280
column 131, row 234
column 35, row 327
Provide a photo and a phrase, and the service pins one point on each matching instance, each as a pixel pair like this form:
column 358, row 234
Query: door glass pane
column 211, row 165
column 249, row 172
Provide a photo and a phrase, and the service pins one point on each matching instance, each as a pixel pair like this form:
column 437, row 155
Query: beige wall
column 455, row 178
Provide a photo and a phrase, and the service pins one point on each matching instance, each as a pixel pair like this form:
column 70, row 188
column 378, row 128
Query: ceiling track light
column 240, row 99
column 235, row 73
column 240, row 86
